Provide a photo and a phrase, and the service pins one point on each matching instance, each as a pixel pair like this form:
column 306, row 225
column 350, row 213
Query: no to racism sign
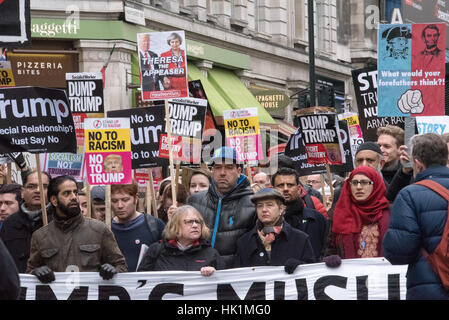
column 243, row 133
column 108, row 151
column 147, row 125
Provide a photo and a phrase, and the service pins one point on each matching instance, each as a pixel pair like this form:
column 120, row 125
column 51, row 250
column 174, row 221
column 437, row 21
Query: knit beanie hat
column 369, row 145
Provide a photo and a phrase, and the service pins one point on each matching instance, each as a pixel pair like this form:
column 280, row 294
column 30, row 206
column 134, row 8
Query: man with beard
column 308, row 220
column 71, row 240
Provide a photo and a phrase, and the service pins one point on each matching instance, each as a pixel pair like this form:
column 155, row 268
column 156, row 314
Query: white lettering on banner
column 355, row 279
column 35, row 107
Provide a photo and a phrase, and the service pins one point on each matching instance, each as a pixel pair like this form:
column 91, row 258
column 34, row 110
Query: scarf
column 349, row 214
column 269, row 234
column 33, row 216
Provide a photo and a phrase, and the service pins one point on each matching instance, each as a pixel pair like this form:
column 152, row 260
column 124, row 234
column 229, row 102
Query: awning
column 236, row 94
column 216, row 101
column 285, row 128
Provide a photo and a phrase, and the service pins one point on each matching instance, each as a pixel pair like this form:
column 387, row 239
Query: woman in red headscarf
column 361, row 216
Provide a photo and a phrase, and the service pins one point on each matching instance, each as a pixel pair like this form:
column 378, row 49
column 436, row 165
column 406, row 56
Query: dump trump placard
column 320, row 133
column 85, row 92
column 243, row 133
column 108, row 151
column 187, row 118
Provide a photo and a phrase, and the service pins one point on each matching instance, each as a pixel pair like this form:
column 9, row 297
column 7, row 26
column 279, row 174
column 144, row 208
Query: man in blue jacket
column 418, row 218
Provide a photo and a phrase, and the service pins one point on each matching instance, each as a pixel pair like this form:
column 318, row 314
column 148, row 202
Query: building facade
column 263, row 44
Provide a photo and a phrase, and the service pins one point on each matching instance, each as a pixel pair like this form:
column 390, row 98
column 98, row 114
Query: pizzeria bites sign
column 44, row 70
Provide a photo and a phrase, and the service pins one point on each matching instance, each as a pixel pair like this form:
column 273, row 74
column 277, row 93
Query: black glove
column 291, row 264
column 107, row 271
column 18, row 158
column 44, row 274
column 332, row 261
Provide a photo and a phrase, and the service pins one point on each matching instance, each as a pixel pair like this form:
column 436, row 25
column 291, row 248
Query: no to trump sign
column 108, row 150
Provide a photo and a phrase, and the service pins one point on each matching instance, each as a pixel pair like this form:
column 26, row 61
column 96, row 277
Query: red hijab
column 349, row 214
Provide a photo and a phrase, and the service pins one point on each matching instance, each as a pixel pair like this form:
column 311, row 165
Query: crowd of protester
column 220, row 220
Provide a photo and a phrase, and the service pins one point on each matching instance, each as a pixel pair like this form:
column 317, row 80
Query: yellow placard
column 6, row 76
column 352, row 120
column 107, row 140
column 242, row 127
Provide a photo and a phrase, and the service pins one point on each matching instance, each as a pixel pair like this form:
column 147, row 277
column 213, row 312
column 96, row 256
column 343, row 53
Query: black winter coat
column 16, row 233
column 290, row 243
column 9, row 277
column 165, row 256
column 310, row 221
column 232, row 215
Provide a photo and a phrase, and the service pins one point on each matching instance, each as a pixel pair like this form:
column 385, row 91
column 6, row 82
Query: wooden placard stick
column 248, row 173
column 41, row 189
column 151, row 193
column 108, row 215
column 170, row 153
column 89, row 199
column 178, row 166
column 331, row 188
column 8, row 174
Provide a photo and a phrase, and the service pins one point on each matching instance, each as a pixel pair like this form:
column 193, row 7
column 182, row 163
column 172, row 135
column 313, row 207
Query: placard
column 163, row 65
column 36, row 120
column 108, row 151
column 242, row 133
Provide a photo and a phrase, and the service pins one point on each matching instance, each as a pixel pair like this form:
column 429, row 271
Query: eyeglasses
column 364, row 183
column 313, row 181
column 190, row 222
column 35, row 186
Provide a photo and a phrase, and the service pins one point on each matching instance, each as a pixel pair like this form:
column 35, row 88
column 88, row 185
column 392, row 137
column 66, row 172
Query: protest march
column 155, row 164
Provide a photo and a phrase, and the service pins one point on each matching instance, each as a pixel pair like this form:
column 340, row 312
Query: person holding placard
column 72, row 241
column 184, row 246
column 18, row 228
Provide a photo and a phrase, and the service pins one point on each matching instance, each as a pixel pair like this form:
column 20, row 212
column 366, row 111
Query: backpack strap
column 436, row 187
column 152, row 225
column 443, row 192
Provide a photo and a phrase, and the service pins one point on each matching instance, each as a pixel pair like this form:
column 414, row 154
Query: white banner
column 355, row 279
column 437, row 124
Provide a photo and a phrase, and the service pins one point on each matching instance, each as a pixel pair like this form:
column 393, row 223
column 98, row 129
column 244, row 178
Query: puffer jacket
column 82, row 242
column 166, row 256
column 417, row 220
column 228, row 217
